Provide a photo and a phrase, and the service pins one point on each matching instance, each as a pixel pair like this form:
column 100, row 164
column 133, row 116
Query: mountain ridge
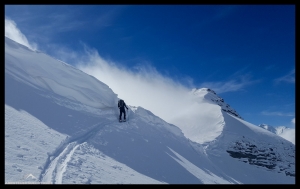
column 79, row 139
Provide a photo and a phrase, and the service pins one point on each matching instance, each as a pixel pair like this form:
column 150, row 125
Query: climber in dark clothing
column 122, row 106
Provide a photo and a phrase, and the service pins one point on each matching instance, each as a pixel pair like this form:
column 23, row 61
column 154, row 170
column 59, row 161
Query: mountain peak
column 212, row 96
column 268, row 127
column 201, row 90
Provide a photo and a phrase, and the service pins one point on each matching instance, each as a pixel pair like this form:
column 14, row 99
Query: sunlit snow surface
column 61, row 127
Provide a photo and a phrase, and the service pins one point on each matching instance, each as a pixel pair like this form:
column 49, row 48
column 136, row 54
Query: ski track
column 57, row 161
column 58, row 166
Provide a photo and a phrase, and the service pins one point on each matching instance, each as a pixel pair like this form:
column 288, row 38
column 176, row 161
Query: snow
column 284, row 132
column 38, row 71
column 27, row 143
column 61, row 127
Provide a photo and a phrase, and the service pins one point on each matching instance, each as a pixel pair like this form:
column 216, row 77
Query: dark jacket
column 124, row 105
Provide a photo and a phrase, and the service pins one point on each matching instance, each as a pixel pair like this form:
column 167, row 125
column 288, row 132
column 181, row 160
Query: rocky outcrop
column 212, row 95
column 280, row 158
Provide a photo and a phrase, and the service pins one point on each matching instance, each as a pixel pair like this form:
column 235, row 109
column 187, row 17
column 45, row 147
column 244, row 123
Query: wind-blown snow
column 61, row 127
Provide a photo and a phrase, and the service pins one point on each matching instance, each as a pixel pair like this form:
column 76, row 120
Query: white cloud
column 12, row 32
column 289, row 78
column 237, row 84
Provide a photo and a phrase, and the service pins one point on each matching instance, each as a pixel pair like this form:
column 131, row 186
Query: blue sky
column 245, row 53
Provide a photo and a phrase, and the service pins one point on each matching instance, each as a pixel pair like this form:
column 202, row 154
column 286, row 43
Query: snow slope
column 61, row 127
column 242, row 144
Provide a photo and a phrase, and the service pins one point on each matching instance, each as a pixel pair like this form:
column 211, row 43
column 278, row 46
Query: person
column 122, row 106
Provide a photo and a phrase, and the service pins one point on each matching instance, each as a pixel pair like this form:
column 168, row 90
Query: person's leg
column 124, row 114
column 120, row 114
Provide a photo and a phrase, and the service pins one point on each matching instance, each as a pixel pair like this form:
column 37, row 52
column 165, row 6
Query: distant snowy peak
column 268, row 127
column 211, row 95
column 277, row 130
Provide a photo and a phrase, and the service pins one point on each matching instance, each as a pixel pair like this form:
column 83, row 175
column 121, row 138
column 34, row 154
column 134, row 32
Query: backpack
column 121, row 103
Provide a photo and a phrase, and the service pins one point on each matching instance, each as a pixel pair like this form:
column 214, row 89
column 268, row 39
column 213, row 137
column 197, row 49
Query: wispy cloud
column 74, row 20
column 12, row 32
column 238, row 83
column 63, row 23
column 276, row 113
column 289, row 78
